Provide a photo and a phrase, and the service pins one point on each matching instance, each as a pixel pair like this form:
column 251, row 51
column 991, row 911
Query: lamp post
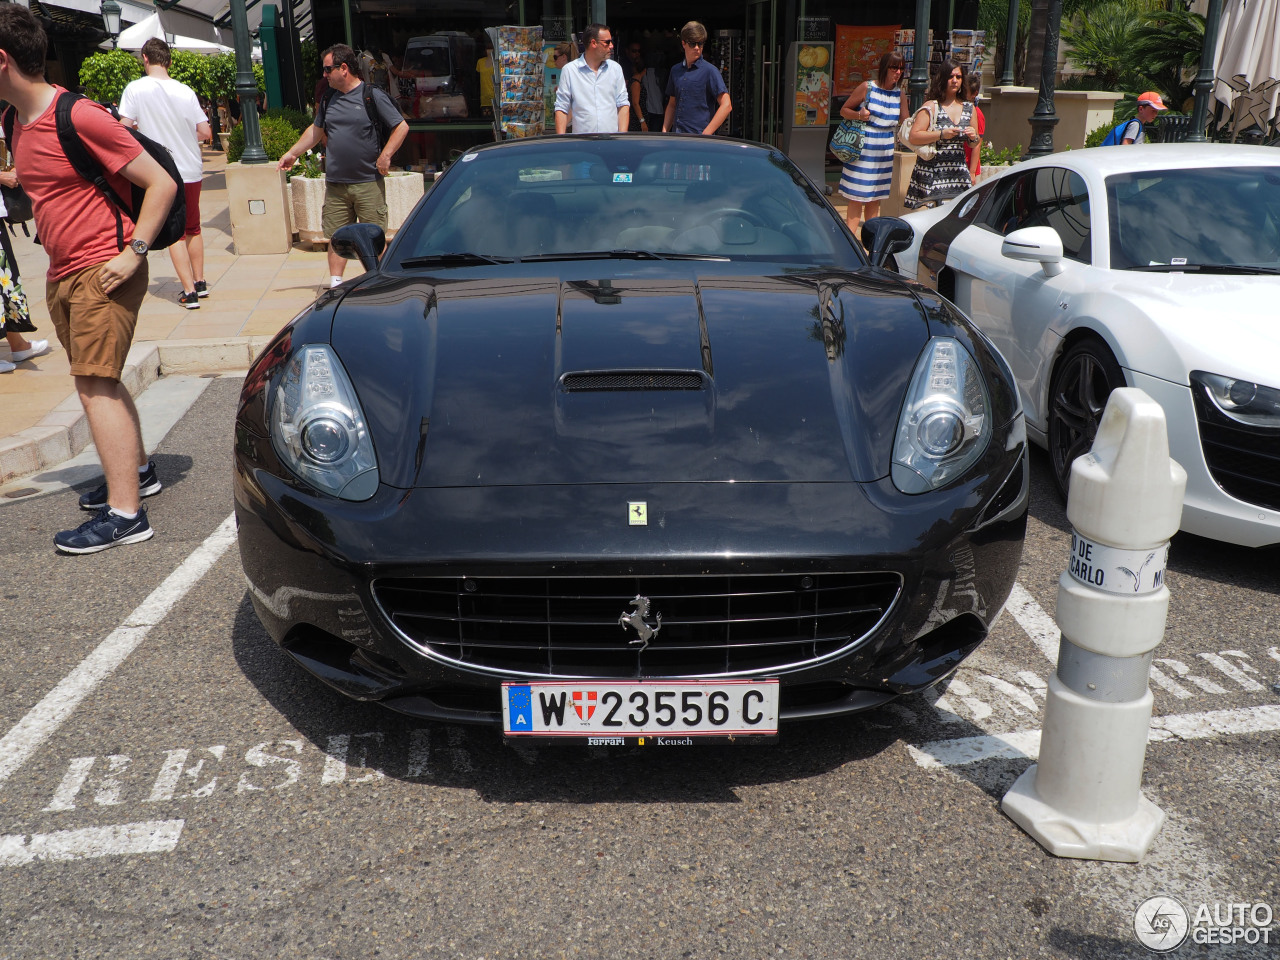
column 1045, row 118
column 1204, row 79
column 1010, row 45
column 246, row 86
column 111, row 20
column 919, row 82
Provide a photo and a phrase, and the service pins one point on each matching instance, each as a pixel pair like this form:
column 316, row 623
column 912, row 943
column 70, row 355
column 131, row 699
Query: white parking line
column 45, row 717
column 153, row 836
column 1037, row 624
column 1026, row 743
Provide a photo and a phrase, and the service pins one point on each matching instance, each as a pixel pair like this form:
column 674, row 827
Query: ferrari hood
column 677, row 378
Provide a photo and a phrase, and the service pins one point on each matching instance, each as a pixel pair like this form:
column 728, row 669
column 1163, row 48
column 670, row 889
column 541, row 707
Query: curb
column 64, row 432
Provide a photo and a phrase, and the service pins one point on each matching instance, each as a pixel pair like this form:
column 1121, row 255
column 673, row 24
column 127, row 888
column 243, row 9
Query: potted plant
column 306, row 186
column 993, row 160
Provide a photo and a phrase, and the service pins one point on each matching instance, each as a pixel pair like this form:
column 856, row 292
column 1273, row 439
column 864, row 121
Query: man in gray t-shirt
column 355, row 161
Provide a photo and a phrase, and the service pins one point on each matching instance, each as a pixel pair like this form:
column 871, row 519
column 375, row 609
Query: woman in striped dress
column 879, row 104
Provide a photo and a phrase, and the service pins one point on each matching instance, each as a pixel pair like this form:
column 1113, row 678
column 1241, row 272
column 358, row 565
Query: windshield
column 427, row 61
column 627, row 195
column 1200, row 217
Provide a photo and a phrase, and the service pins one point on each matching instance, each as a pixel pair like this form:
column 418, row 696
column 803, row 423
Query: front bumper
column 311, row 562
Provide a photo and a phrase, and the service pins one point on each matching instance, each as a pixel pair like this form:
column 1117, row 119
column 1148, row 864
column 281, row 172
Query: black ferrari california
column 625, row 437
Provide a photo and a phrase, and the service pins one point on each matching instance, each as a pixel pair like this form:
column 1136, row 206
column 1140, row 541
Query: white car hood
column 1222, row 324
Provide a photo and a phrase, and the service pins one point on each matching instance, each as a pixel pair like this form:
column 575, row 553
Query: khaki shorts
column 96, row 330
column 348, row 202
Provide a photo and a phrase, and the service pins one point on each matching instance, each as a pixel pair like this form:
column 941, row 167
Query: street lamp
column 111, row 20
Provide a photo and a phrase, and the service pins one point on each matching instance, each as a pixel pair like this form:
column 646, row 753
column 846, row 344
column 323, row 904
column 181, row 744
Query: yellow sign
column 638, row 513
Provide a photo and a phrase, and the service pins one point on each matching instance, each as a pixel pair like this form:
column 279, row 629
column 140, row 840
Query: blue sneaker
column 104, row 531
column 148, row 486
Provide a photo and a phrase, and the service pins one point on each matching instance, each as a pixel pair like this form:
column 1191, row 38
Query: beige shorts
column 348, row 202
column 95, row 329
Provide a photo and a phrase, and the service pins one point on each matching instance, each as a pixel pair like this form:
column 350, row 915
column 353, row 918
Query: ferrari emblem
column 638, row 513
column 636, row 620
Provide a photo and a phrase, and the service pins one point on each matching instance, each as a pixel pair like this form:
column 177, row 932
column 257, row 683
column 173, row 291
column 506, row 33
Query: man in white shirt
column 592, row 91
column 169, row 112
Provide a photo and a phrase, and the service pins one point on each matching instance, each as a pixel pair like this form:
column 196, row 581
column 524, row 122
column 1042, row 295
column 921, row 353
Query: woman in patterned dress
column 15, row 318
column 946, row 175
column 879, row 104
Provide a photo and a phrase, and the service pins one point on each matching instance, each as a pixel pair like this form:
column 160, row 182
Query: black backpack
column 175, row 224
column 382, row 131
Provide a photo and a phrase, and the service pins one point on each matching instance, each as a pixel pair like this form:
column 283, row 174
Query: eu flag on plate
column 520, row 707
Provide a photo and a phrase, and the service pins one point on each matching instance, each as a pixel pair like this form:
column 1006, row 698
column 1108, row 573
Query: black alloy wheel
column 1082, row 382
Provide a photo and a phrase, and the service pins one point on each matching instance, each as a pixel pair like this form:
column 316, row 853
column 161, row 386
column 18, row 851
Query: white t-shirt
column 168, row 112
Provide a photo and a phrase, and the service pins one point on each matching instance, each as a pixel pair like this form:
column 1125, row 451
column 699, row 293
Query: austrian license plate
column 605, row 713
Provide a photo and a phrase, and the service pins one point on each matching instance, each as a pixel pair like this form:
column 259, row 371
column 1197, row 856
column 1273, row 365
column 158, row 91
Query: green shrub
column 105, row 75
column 295, row 118
column 278, row 136
column 1097, row 135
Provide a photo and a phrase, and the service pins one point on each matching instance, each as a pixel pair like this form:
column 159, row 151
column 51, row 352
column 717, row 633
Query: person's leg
column 192, row 238
column 17, row 342
column 871, row 210
column 338, row 211
column 117, row 433
column 853, row 216
column 182, row 266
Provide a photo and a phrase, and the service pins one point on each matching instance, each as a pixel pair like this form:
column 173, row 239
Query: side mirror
column 1040, row 245
column 884, row 236
column 360, row 241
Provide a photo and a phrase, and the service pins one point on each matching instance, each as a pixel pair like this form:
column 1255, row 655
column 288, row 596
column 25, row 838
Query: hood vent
column 596, row 381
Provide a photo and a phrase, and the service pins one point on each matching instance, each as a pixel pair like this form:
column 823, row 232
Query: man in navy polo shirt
column 699, row 99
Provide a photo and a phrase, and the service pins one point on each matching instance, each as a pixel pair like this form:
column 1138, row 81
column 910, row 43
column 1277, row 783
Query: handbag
column 926, row 152
column 846, row 142
column 17, row 204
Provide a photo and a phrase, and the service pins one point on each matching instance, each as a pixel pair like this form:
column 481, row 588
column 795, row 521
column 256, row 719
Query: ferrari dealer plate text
column 599, row 711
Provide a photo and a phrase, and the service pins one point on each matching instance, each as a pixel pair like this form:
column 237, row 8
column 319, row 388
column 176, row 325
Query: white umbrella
column 132, row 38
column 1247, row 61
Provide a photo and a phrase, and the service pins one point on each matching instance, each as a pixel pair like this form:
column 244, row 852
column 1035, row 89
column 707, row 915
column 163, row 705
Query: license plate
column 667, row 710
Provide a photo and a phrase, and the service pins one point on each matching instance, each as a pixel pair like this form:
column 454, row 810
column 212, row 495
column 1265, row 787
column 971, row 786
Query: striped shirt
column 871, row 175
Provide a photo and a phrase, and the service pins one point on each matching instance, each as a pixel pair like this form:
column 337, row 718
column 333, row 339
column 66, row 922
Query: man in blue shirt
column 592, row 90
column 699, row 99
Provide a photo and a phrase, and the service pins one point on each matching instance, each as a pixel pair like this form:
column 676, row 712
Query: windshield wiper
column 1241, row 268
column 619, row 255
column 453, row 260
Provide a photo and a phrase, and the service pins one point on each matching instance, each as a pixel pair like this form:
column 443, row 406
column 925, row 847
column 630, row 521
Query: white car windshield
column 1220, row 220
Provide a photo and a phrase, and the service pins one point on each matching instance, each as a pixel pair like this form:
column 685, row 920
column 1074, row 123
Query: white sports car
column 1151, row 266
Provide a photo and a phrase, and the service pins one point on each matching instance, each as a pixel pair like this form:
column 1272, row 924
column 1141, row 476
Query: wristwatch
column 140, row 247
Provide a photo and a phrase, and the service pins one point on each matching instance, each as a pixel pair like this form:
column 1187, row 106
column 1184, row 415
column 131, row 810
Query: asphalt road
column 204, row 798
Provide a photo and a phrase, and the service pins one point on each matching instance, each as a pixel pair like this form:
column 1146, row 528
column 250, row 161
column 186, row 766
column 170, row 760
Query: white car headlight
column 1241, row 400
column 945, row 422
column 318, row 428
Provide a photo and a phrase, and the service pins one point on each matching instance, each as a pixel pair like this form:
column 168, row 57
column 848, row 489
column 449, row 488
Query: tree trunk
column 1035, row 43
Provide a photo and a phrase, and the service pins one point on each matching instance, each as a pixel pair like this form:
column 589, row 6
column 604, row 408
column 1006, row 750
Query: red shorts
column 192, row 193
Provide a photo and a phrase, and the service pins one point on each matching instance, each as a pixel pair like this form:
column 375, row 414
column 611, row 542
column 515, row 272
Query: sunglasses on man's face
column 694, row 43
column 329, row 70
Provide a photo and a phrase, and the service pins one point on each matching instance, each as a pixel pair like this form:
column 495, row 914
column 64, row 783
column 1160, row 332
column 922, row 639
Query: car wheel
column 1082, row 382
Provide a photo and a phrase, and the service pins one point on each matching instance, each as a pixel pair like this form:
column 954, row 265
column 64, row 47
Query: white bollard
column 1084, row 797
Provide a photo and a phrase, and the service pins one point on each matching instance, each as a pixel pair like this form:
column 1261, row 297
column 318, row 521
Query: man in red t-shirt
column 93, row 288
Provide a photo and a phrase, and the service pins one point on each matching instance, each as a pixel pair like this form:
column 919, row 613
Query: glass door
column 763, row 121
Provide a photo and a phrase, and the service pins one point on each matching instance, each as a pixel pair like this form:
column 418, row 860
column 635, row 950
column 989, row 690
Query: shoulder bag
column 846, row 142
column 928, row 151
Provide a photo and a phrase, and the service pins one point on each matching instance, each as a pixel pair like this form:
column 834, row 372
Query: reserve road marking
column 45, row 717
column 153, row 836
column 1025, row 744
column 1035, row 623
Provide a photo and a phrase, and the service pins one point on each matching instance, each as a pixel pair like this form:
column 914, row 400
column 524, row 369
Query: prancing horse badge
column 638, row 513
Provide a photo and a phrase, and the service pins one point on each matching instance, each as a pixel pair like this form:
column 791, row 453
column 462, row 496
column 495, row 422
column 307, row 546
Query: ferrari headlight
column 318, row 428
column 1241, row 400
column 945, row 423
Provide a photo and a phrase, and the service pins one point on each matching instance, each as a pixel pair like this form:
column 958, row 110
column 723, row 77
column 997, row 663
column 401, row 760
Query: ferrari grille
column 592, row 626
column 1244, row 461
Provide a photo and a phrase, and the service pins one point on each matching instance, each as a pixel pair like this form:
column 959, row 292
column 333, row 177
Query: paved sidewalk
column 250, row 299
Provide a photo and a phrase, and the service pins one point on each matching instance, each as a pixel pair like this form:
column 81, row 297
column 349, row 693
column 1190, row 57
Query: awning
column 156, row 25
column 197, row 19
column 219, row 12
